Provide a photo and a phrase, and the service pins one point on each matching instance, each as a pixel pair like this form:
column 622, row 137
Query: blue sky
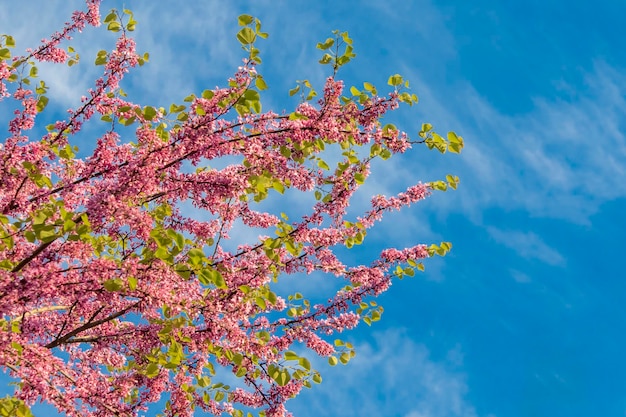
column 526, row 317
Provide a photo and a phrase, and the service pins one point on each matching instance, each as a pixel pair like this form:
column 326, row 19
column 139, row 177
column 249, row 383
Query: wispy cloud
column 519, row 276
column 66, row 84
column 527, row 245
column 192, row 48
column 391, row 376
column 563, row 159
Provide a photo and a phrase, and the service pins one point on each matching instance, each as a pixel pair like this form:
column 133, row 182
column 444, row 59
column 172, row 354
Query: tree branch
column 89, row 325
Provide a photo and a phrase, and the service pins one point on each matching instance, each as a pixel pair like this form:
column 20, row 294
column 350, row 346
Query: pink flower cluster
column 5, row 73
column 411, row 195
column 401, row 256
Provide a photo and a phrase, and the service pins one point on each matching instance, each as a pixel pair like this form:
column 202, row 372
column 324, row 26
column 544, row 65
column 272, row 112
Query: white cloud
column 191, row 47
column 187, row 45
column 519, row 276
column 562, row 160
column 390, row 376
column 527, row 245
column 66, row 84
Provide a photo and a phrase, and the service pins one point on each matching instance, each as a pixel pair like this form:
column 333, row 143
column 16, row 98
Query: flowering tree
column 113, row 294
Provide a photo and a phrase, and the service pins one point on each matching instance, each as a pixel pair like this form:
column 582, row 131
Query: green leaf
column 322, row 164
column 439, row 185
column 5, row 53
column 177, row 109
column 13, row 407
column 113, row 285
column 245, row 19
column 342, row 60
column 45, row 233
column 205, row 277
column 455, row 147
column 218, row 279
column 9, row 41
column 42, row 103
column 294, row 90
column 260, row 83
column 323, row 46
column 68, row 225
column 456, row 142
column 278, row 186
column 152, row 370
column 332, row 360
column 346, row 38
column 179, row 239
column 326, row 58
column 101, row 58
column 149, row 113
column 375, row 315
column 110, row 17
column 395, row 80
column 114, row 26
column 260, row 301
column 453, row 181
column 284, row 378
column 304, row 362
column 252, row 95
column 203, row 381
column 294, row 116
column 246, row 36
column 291, row 356
column 183, row 271
column 317, row 378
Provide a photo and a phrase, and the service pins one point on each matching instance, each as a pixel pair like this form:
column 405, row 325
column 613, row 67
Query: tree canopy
column 115, row 292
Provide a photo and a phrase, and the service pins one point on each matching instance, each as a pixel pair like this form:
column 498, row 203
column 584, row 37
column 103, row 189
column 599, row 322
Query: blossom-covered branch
column 115, row 291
